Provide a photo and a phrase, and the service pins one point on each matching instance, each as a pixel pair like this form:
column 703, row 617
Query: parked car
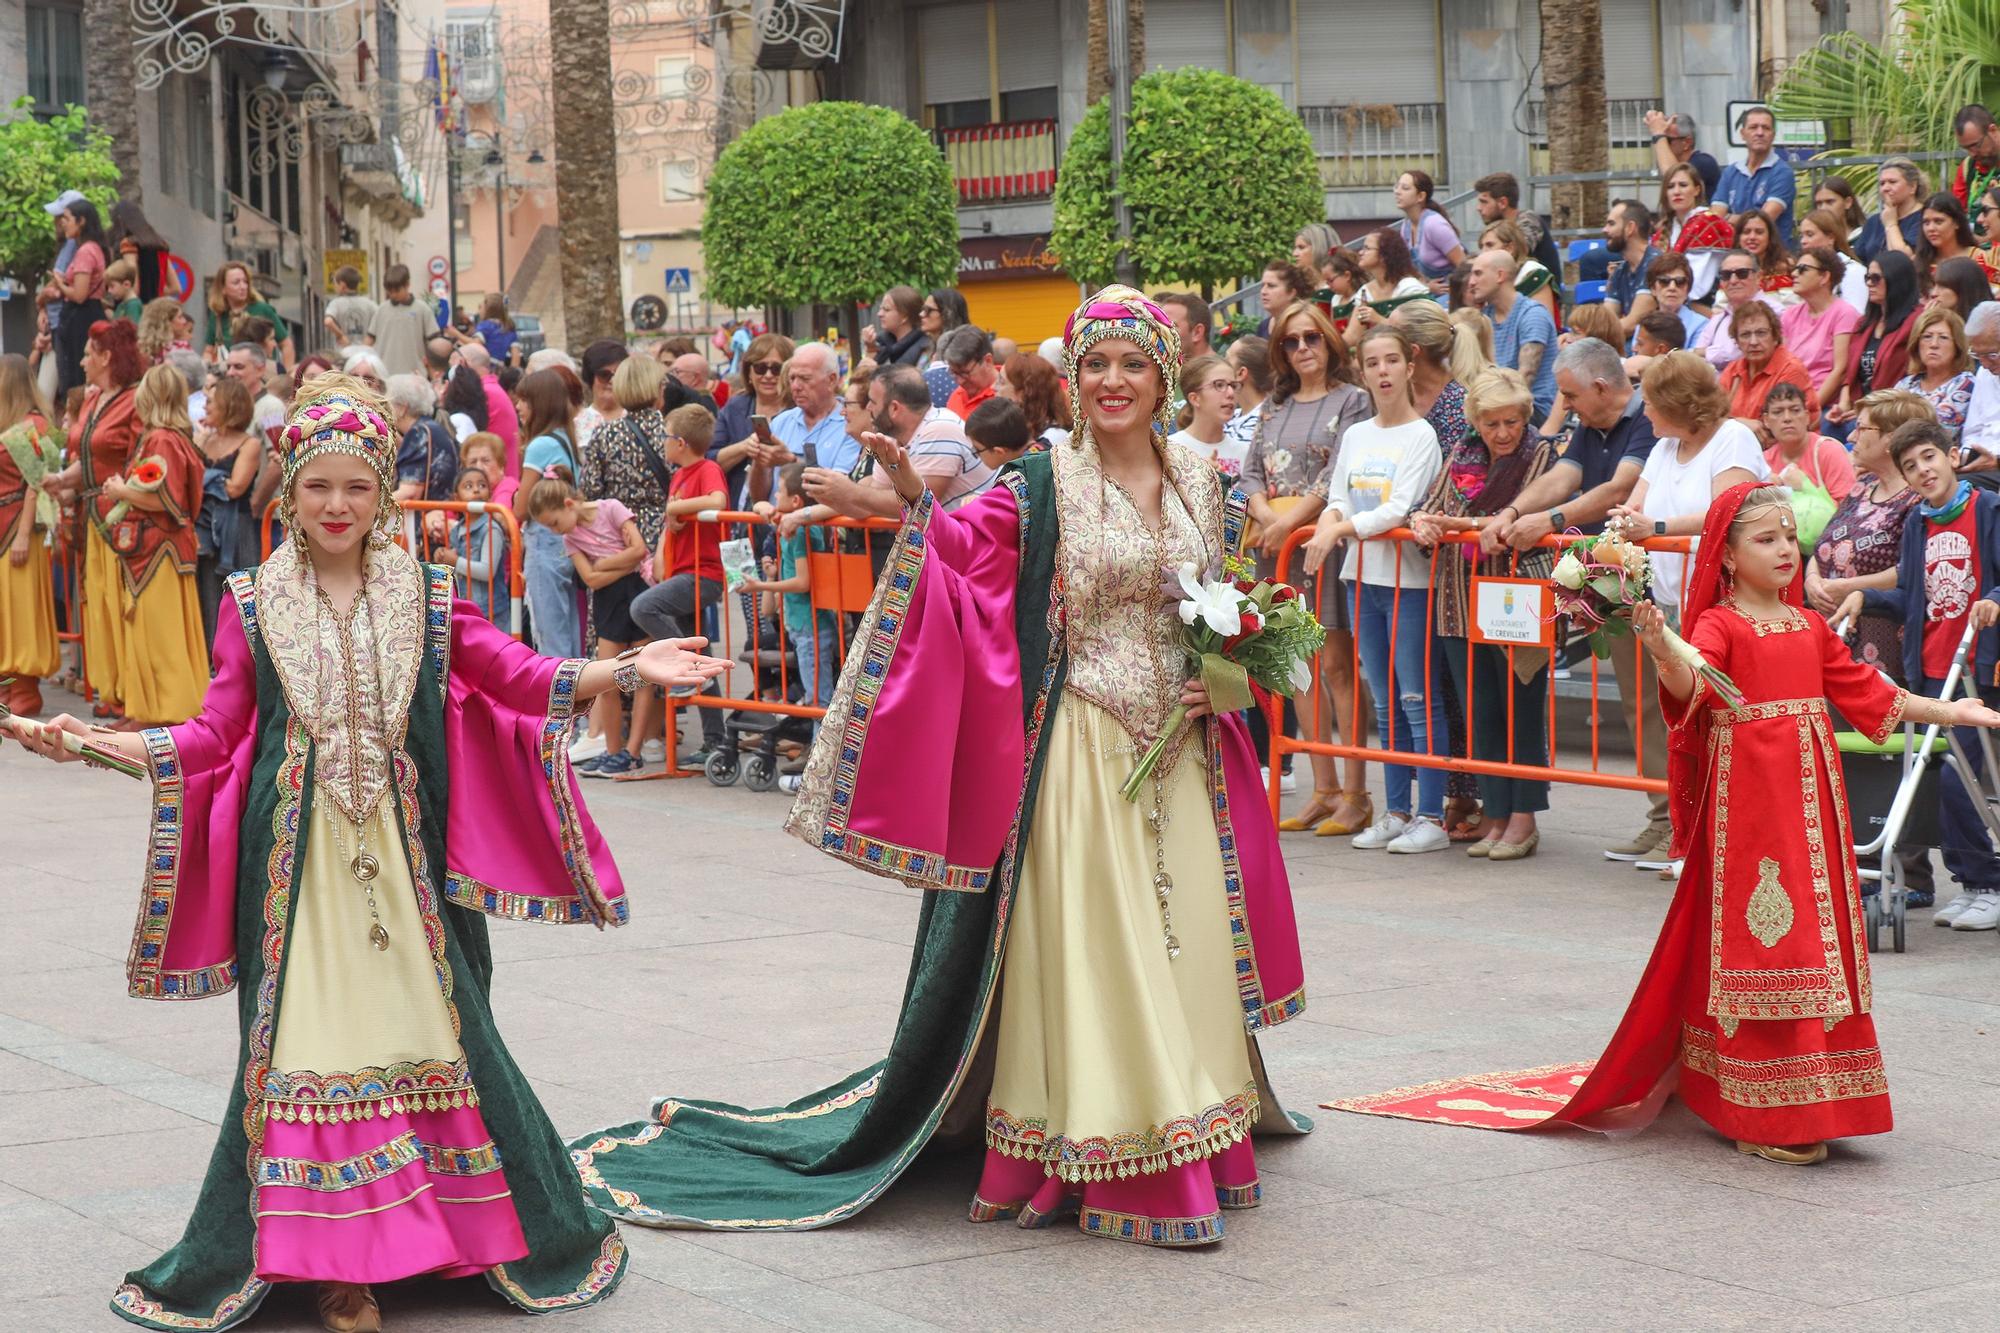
column 528, row 330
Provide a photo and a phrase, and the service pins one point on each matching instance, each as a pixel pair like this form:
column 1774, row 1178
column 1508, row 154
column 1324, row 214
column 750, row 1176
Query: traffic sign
column 438, row 266
column 440, row 289
column 680, row 280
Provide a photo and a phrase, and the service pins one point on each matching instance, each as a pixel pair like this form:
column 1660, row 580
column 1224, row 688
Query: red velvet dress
column 1755, row 1003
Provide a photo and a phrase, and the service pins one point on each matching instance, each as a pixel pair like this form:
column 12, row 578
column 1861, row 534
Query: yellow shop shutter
column 1026, row 310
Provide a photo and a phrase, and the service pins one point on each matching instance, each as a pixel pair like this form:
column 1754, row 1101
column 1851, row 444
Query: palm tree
column 1097, row 81
column 1899, row 98
column 1573, row 86
column 110, row 87
column 586, row 144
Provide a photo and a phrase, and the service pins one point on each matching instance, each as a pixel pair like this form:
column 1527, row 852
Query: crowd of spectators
column 1406, row 376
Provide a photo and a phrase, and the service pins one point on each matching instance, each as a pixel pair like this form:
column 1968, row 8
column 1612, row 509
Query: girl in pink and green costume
column 375, row 770
column 1090, row 974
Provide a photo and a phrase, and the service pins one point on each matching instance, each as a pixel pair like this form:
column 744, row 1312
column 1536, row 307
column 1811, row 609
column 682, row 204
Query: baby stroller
column 771, row 661
column 1893, row 788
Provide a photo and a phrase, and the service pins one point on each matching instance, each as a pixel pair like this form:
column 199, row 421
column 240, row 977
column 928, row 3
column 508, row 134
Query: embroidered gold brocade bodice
column 1123, row 632
column 348, row 678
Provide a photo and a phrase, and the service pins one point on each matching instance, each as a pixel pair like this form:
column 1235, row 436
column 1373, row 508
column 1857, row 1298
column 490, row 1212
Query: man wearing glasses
column 1980, row 452
column 1979, row 136
column 1739, row 283
column 1673, row 143
column 969, row 354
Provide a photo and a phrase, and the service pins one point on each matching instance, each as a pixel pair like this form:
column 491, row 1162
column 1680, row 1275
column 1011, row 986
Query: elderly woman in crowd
column 1764, row 363
column 1508, row 688
column 1701, row 451
column 1901, row 186
column 427, row 458
column 1797, row 455
column 1941, row 366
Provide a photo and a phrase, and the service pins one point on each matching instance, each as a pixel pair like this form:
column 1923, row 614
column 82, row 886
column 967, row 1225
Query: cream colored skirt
column 1113, row 1059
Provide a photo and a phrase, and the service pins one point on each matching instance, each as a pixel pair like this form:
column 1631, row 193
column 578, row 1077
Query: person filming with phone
column 813, row 430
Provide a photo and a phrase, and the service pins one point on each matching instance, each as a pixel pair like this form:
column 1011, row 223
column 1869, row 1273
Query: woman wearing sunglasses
column 1878, row 355
column 1819, row 327
column 1312, row 403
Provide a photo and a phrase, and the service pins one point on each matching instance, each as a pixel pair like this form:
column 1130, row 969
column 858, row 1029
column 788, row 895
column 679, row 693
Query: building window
column 200, row 124
column 55, row 58
column 670, row 77
column 1028, row 104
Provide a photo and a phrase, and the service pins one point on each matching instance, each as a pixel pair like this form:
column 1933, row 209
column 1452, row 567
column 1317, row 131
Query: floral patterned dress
column 1864, row 537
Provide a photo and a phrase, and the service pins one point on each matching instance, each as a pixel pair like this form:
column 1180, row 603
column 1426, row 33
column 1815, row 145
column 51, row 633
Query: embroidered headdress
column 1707, row 583
column 337, row 414
column 1120, row 312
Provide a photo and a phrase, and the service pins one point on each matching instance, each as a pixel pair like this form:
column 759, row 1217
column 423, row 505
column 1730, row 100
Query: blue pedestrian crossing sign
column 680, row 280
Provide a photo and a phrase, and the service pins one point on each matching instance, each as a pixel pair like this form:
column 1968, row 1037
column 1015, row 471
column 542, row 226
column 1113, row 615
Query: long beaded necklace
column 361, row 863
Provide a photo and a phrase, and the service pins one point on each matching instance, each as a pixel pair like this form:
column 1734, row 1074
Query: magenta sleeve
column 518, row 841
column 184, row 945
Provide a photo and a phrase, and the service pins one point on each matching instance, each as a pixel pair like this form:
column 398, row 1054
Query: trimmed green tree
column 38, row 161
column 1219, row 174
column 833, row 202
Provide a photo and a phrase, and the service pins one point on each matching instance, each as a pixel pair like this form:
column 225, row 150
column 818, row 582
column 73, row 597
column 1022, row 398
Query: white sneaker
column 589, row 747
column 1421, row 836
column 654, row 751
column 790, row 782
column 1983, row 914
column 1952, row 910
column 1384, row 831
column 1288, row 783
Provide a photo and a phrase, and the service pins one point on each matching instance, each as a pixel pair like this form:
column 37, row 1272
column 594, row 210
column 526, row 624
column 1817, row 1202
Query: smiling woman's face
column 1119, row 385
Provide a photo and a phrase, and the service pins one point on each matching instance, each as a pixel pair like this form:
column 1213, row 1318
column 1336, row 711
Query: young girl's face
column 562, row 519
column 1764, row 553
column 1385, row 371
column 473, row 485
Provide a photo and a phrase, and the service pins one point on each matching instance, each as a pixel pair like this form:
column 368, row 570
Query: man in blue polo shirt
column 1764, row 183
column 813, row 430
column 1596, row 473
column 1524, row 333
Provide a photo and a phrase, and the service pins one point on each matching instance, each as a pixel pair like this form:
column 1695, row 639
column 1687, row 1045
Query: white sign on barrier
column 1511, row 612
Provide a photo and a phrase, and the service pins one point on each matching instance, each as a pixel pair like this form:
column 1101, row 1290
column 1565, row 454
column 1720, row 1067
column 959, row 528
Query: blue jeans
column 1405, row 612
column 1968, row 851
column 551, row 582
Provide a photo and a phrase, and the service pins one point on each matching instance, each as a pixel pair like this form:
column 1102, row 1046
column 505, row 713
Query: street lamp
column 498, row 164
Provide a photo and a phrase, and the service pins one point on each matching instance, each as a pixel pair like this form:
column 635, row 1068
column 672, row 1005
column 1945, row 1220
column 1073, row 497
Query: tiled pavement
column 756, row 970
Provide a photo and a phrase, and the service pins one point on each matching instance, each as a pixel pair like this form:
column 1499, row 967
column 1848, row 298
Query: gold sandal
column 1318, row 809
column 1335, row 828
column 348, row 1307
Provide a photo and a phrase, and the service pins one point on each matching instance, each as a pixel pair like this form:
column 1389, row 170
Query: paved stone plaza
column 756, row 970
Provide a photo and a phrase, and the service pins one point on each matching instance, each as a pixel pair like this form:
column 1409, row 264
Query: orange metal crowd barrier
column 1311, row 710
column 427, row 541
column 840, row 582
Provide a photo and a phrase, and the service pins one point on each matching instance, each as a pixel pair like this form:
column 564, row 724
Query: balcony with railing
column 1368, row 145
column 1631, row 141
column 1011, row 162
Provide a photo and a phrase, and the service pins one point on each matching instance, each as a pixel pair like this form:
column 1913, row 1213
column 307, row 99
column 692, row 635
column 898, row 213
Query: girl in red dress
column 1755, row 1004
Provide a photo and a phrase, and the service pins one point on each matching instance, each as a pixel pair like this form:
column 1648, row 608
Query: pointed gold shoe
column 348, row 1307
column 1811, row 1155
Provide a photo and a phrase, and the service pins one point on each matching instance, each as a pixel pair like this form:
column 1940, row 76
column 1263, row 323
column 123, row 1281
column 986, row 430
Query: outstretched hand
column 46, row 738
column 1972, row 713
column 679, row 663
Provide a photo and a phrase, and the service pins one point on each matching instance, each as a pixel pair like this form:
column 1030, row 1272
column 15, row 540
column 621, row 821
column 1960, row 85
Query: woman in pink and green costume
column 375, row 770
column 1090, row 973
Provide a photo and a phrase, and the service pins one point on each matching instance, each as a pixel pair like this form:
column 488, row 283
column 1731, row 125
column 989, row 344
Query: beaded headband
column 338, row 419
column 1120, row 312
